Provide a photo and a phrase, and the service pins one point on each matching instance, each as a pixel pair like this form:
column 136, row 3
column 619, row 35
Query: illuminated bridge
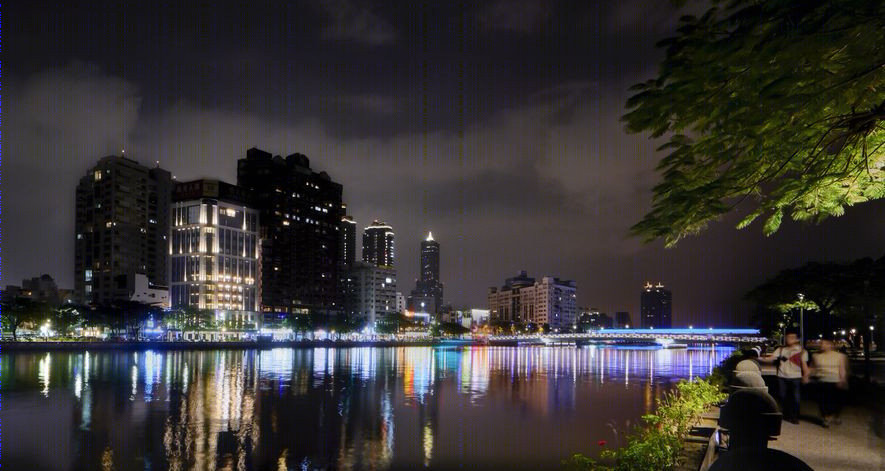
column 661, row 336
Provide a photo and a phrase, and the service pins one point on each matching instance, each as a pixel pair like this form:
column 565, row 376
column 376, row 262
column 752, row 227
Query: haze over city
column 494, row 126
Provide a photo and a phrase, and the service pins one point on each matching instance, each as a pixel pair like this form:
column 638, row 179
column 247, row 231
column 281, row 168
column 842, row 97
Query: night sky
column 495, row 126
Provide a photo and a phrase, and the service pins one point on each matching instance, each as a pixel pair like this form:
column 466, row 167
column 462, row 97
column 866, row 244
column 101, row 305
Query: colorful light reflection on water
column 329, row 408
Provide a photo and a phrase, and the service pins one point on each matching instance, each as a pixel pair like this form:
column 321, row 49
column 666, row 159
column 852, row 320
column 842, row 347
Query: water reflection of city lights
column 225, row 409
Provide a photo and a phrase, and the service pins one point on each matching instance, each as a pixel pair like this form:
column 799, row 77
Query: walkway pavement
column 851, row 445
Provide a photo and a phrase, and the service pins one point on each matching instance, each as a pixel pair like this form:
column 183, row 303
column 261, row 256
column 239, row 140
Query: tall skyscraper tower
column 300, row 217
column 347, row 244
column 122, row 229
column 378, row 244
column 657, row 306
column 215, row 251
column 428, row 293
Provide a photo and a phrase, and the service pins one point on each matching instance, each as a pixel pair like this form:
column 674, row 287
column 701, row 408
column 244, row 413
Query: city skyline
column 530, row 172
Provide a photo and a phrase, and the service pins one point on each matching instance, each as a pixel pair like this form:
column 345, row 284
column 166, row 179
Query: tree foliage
column 19, row 312
column 448, row 329
column 189, row 318
column 854, row 291
column 68, row 317
column 777, row 104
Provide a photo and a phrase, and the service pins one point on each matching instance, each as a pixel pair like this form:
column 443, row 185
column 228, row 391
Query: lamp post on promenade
column 801, row 320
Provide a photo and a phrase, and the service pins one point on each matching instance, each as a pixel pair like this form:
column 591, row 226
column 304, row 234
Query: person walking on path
column 792, row 368
column 829, row 367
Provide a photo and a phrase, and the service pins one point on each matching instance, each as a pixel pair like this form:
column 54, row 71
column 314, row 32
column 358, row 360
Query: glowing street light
column 801, row 319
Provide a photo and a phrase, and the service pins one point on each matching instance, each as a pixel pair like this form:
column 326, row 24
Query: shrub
column 656, row 446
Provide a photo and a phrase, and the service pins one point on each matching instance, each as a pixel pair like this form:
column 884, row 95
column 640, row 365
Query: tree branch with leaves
column 776, row 105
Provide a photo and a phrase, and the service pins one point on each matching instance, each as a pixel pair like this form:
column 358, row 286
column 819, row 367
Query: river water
column 356, row 408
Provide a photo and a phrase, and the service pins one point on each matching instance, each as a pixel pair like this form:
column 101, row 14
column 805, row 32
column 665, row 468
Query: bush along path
column 657, row 445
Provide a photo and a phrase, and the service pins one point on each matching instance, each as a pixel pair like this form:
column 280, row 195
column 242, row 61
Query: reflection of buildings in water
column 43, row 371
column 473, row 378
column 327, row 408
column 538, row 379
column 428, row 420
column 213, row 426
column 417, row 365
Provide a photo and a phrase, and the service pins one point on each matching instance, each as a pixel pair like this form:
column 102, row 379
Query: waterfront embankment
column 136, row 346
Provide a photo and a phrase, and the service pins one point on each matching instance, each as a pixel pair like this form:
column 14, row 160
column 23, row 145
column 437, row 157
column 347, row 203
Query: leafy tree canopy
column 779, row 104
column 448, row 329
column 20, row 311
column 852, row 290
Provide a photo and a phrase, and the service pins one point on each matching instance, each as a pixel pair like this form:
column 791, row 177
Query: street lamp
column 801, row 320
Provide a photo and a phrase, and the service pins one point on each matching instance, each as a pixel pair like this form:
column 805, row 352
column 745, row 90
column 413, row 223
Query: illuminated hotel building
column 122, row 225
column 215, row 250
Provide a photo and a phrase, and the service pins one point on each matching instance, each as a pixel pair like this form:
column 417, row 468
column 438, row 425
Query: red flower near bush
column 601, row 443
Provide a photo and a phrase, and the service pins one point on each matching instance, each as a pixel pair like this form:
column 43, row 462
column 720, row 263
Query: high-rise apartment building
column 556, row 303
column 214, row 251
column 300, row 217
column 122, row 229
column 373, row 293
column 378, row 244
column 515, row 301
column 524, row 300
column 428, row 293
column 347, row 244
column 657, row 306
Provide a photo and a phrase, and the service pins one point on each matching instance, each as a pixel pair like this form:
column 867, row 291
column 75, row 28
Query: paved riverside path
column 851, row 445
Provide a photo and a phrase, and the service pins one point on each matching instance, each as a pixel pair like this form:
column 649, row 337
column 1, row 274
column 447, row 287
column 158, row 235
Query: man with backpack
column 792, row 370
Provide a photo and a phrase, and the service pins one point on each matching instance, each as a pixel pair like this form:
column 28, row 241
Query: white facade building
column 147, row 293
column 524, row 300
column 214, row 252
column 374, row 291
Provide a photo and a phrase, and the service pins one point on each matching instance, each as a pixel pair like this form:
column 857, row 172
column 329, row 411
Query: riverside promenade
column 857, row 443
column 851, row 445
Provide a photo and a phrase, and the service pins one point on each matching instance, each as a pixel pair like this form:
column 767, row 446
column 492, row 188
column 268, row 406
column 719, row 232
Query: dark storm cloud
column 504, row 140
column 524, row 17
column 373, row 103
column 351, row 22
